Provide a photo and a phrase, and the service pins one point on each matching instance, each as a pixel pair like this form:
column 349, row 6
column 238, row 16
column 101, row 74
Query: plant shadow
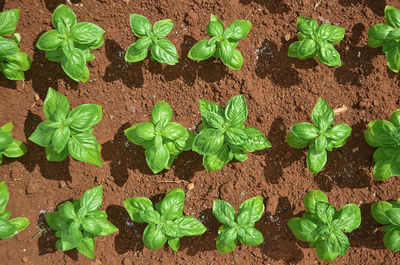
column 130, row 233
column 346, row 165
column 187, row 164
column 35, row 155
column 53, row 4
column 131, row 74
column 123, row 155
column 377, row 6
column 4, row 82
column 354, row 70
column 281, row 244
column 275, row 6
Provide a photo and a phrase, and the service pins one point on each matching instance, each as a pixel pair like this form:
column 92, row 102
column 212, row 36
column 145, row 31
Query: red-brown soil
column 280, row 92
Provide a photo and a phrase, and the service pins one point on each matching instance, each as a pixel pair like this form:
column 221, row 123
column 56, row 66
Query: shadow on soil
column 347, row 167
column 275, row 6
column 353, row 69
column 187, row 164
column 124, row 155
column 52, row 4
column 35, row 155
column 377, row 6
column 4, row 82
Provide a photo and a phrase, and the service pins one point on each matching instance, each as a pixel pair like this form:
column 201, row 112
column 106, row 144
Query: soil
column 280, row 92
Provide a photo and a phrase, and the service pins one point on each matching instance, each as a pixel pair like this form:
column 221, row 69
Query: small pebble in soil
column 111, row 117
column 243, row 193
column 287, row 37
column 25, row 259
column 190, row 186
column 61, row 184
column 281, row 127
column 37, row 98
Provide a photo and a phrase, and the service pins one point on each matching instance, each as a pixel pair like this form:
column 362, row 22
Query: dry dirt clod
column 25, row 259
column 340, row 110
column 37, row 98
column 61, row 184
column 190, row 186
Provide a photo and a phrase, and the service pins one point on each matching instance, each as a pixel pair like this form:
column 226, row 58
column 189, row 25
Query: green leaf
column 190, row 226
column 228, row 236
column 306, row 26
column 55, row 56
column 256, row 207
column 140, row 25
column 65, row 14
column 395, row 118
column 162, row 28
column 208, row 142
column 392, row 240
column 213, row 120
column 164, row 52
column 339, row 132
column 66, row 210
column 12, row 72
column 240, row 29
column 50, row 40
column 351, row 215
column 327, row 54
column 306, row 48
column 236, row 136
column 55, row 221
column 332, row 34
column 85, row 116
column 5, row 140
column 153, row 237
column 250, row 236
column 311, row 199
column 214, row 28
column 43, row 133
column 157, row 158
column 15, row 149
column 56, row 106
column 321, row 144
column 214, row 18
column 223, row 211
column 383, row 132
column 8, row 21
column 225, row 51
column 60, row 139
column 107, row 228
column 393, row 215
column 393, row 58
column 374, row 43
column 136, row 205
column 74, row 64
column 172, row 205
column 256, row 140
column 322, row 115
column 92, row 199
column 392, row 16
column 86, row 247
column 295, row 141
column 305, row 131
column 20, row 223
column 207, row 107
column 70, row 238
column 53, row 155
column 86, row 33
column 394, row 34
column 325, row 211
column 7, row 229
column 240, row 156
column 293, row 49
column 378, row 211
column 201, row 51
column 140, row 133
column 84, row 147
column 302, row 228
column 383, row 159
column 5, row 215
column 379, row 32
column 92, row 226
column 161, row 111
column 4, row 196
column 133, row 54
column 225, row 247
column 236, row 111
column 174, row 243
column 173, row 131
column 237, row 60
column 7, row 47
column 216, row 161
column 19, row 60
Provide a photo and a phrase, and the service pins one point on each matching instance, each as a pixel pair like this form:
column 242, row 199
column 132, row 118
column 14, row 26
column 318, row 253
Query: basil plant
column 385, row 135
column 320, row 138
column 223, row 135
column 166, row 222
column 317, row 41
column 151, row 38
column 388, row 214
column 10, row 147
column 13, row 62
column 223, row 42
column 66, row 132
column 162, row 139
column 70, row 43
column 9, row 228
column 79, row 223
column 240, row 226
column 387, row 36
column 324, row 227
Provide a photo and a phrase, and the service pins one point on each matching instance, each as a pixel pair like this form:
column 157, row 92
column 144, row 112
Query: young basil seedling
column 324, row 227
column 69, row 43
column 388, row 36
column 151, row 37
column 238, row 226
column 80, row 222
column 388, row 214
column 317, row 41
column 223, row 42
column 67, row 132
column 320, row 138
column 10, row 147
column 385, row 135
column 9, row 228
column 13, row 62
column 162, row 139
column 166, row 222
column 223, row 135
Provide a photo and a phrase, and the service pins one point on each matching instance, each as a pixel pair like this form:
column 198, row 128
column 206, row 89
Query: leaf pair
column 223, row 135
column 163, row 140
column 9, row 228
column 385, row 135
column 388, row 214
column 69, row 43
column 166, row 222
column 223, row 42
column 320, row 138
column 10, row 147
column 13, row 62
column 238, row 226
column 388, row 36
column 317, row 41
column 80, row 222
column 324, row 227
column 67, row 132
column 151, row 37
